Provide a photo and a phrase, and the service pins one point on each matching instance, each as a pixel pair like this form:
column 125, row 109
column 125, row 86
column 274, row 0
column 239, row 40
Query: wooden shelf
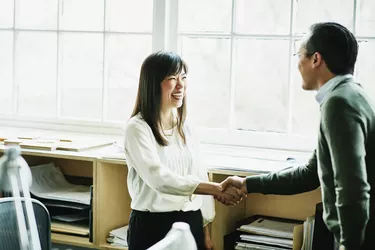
column 71, row 240
column 110, row 247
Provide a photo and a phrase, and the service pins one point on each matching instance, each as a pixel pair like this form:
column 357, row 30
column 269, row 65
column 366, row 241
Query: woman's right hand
column 226, row 194
column 231, row 195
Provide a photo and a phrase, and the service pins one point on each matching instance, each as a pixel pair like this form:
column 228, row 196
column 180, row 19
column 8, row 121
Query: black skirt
column 146, row 228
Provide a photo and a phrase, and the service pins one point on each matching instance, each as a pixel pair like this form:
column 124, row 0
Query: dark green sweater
column 343, row 165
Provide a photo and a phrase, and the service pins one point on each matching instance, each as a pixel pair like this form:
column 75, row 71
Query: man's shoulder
column 349, row 98
column 347, row 88
column 348, row 94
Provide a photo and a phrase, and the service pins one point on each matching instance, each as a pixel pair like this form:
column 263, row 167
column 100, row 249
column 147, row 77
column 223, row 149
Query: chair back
column 178, row 238
column 9, row 235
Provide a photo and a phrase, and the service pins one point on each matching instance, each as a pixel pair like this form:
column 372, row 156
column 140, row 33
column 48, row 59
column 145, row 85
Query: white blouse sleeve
column 140, row 149
column 208, row 204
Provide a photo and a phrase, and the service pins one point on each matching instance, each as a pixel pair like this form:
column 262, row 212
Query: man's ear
column 317, row 60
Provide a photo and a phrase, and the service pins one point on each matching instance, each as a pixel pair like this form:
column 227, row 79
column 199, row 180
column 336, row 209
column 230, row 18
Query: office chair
column 16, row 178
column 9, row 232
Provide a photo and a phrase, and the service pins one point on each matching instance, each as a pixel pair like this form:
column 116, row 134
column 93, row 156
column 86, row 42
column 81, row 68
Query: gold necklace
column 172, row 127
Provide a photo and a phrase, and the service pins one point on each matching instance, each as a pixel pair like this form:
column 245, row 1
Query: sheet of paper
column 247, row 246
column 267, row 240
column 120, row 233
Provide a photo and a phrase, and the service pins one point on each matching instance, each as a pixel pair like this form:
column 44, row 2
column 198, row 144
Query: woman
column 162, row 155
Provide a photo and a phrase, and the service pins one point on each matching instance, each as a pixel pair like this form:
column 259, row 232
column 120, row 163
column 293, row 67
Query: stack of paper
column 50, row 144
column 30, row 144
column 270, row 227
column 267, row 233
column 82, row 145
column 50, row 183
column 68, row 204
column 267, row 240
column 118, row 237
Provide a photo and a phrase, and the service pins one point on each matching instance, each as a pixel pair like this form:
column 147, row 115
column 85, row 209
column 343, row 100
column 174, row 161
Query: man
column 343, row 164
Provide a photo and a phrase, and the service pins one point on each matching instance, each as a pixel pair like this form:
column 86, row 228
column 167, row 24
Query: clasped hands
column 233, row 190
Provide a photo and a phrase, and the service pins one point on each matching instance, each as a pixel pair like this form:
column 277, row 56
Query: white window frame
column 77, row 124
column 231, row 136
column 165, row 37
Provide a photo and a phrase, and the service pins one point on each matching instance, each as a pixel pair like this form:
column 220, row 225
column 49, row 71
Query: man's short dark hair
column 336, row 44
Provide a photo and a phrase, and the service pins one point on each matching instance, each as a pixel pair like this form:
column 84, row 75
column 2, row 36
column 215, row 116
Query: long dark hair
column 155, row 68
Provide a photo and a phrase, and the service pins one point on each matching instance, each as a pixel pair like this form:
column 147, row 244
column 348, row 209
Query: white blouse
column 164, row 178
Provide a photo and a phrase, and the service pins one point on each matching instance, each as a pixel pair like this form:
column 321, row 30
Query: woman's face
column 173, row 89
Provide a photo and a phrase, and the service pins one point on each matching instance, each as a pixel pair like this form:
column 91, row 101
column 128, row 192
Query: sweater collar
column 329, row 86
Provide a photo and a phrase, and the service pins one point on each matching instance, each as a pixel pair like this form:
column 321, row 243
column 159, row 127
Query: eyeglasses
column 300, row 54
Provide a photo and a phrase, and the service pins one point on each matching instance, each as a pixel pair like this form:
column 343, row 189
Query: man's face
column 306, row 67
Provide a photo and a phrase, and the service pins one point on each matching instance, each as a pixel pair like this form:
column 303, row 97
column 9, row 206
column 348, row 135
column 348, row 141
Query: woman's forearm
column 210, row 188
column 206, row 230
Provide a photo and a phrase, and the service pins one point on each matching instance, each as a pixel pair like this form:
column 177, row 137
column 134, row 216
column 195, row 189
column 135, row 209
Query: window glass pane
column 261, row 84
column 204, row 16
column 123, row 60
column 6, row 71
column 36, row 14
column 80, row 75
column 305, row 108
column 6, row 13
column 366, row 67
column 36, row 61
column 124, row 15
column 365, row 18
column 208, row 82
column 309, row 12
column 85, row 15
column 274, row 16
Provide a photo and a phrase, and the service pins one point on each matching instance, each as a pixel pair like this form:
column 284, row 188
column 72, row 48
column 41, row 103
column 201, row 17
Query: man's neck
column 324, row 79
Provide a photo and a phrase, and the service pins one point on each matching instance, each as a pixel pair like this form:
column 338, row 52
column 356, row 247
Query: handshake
column 232, row 190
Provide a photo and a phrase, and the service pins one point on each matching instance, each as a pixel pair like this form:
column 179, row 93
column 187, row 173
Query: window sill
column 216, row 157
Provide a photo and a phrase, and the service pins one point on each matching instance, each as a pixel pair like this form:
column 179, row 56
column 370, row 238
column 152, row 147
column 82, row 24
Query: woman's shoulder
column 136, row 123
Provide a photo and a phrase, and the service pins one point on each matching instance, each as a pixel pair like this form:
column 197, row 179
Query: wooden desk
column 111, row 200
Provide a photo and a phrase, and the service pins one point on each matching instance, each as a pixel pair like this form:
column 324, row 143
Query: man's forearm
column 292, row 181
column 353, row 222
